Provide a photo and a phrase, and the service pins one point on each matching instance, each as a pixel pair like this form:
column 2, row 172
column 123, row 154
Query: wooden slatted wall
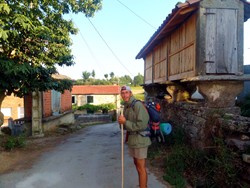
column 148, row 68
column 182, row 50
column 160, row 60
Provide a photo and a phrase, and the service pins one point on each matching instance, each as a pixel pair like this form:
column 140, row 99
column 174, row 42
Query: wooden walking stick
column 122, row 150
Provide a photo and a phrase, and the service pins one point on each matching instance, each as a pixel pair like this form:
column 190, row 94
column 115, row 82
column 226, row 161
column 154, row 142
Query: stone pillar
column 37, row 130
column 220, row 94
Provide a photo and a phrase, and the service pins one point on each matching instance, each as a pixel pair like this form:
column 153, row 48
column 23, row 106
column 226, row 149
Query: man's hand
column 121, row 120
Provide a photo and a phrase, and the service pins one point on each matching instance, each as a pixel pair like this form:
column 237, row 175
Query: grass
column 184, row 165
column 138, row 92
column 137, row 89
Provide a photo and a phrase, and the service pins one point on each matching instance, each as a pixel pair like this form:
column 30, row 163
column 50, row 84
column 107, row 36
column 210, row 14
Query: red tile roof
column 95, row 90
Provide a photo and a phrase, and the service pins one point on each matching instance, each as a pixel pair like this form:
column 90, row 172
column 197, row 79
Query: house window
column 73, row 99
column 90, row 99
column 20, row 111
column 6, row 111
column 55, row 102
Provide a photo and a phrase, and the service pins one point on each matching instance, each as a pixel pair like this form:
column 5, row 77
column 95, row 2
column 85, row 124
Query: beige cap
column 125, row 88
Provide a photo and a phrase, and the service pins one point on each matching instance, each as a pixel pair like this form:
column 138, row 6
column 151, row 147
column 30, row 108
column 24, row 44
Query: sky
column 110, row 41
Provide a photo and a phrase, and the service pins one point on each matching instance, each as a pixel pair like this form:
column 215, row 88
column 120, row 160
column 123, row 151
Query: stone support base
column 220, row 94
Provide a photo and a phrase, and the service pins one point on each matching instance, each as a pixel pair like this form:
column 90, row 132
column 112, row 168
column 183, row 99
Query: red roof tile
column 95, row 90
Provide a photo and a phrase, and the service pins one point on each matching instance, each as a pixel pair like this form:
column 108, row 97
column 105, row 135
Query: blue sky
column 110, row 40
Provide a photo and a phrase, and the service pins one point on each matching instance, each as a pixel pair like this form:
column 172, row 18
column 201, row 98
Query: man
column 135, row 120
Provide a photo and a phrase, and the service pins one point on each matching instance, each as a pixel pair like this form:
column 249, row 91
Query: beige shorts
column 138, row 153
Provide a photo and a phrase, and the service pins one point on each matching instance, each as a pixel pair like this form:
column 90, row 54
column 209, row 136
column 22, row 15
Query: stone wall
column 87, row 119
column 213, row 114
column 237, row 130
column 53, row 122
column 202, row 124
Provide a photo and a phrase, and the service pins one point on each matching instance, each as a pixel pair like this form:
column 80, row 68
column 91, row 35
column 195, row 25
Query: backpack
column 153, row 129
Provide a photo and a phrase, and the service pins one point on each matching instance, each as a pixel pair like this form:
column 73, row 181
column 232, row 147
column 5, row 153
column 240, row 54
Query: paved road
column 91, row 158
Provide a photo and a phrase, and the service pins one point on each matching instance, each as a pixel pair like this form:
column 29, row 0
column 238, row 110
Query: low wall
column 69, row 118
column 51, row 123
column 84, row 119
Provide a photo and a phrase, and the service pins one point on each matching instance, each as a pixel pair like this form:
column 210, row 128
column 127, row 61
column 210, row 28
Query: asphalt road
column 89, row 159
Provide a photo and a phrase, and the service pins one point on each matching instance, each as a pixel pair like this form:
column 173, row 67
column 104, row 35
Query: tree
column 34, row 38
column 85, row 75
column 93, row 73
column 125, row 80
column 138, row 80
column 111, row 75
column 106, row 76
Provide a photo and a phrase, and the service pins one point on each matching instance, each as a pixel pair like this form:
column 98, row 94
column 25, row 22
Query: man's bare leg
column 142, row 172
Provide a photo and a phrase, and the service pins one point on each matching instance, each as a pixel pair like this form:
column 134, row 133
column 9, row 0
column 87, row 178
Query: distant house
column 12, row 107
column 47, row 110
column 41, row 111
column 95, row 94
column 53, row 103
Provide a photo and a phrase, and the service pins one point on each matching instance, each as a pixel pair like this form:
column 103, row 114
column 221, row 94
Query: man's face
column 125, row 94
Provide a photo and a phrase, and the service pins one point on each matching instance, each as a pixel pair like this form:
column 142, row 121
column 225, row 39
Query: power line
column 110, row 48
column 91, row 52
column 136, row 14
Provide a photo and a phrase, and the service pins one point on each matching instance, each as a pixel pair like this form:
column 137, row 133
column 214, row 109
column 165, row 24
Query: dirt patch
column 24, row 158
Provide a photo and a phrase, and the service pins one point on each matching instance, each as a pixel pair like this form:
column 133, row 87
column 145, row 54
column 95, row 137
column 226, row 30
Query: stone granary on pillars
column 199, row 46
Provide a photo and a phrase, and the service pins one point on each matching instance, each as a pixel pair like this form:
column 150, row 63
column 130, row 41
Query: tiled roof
column 60, row 77
column 95, row 90
column 175, row 18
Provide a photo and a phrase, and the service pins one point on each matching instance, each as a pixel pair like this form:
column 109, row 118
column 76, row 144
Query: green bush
column 14, row 142
column 105, row 108
column 89, row 107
